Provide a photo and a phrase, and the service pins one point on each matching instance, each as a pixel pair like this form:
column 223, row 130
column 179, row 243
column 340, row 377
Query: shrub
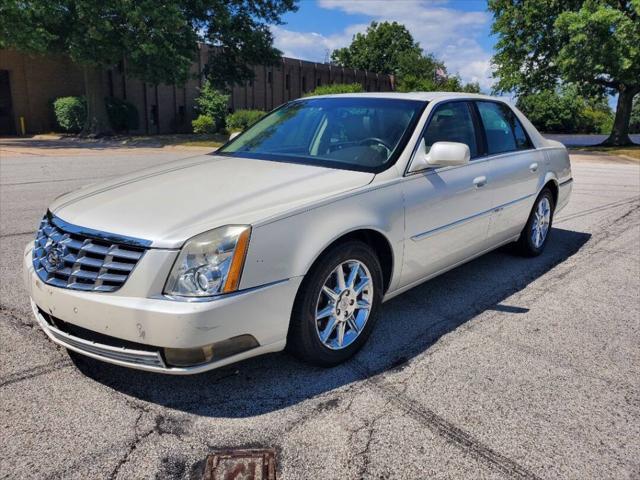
column 203, row 124
column 213, row 104
column 70, row 112
column 593, row 120
column 123, row 115
column 241, row 119
column 336, row 88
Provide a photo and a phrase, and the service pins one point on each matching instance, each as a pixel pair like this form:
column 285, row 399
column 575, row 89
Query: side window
column 522, row 141
column 503, row 129
column 452, row 122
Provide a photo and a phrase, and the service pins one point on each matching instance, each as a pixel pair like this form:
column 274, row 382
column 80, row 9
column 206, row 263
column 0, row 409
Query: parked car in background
column 293, row 233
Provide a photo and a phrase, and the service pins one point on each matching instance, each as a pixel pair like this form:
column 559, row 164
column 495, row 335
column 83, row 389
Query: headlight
column 210, row 263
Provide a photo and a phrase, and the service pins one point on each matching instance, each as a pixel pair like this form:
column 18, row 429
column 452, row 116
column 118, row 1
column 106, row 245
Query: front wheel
column 536, row 232
column 337, row 305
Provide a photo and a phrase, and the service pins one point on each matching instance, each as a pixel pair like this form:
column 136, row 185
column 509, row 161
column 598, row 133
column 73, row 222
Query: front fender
column 287, row 247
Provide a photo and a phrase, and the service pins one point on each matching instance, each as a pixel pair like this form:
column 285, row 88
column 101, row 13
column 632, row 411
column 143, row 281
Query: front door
column 7, row 125
column 447, row 209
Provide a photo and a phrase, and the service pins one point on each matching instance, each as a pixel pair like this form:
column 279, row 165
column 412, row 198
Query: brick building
column 29, row 84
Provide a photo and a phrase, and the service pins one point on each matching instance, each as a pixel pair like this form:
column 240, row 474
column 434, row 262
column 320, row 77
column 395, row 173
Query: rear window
column 503, row 130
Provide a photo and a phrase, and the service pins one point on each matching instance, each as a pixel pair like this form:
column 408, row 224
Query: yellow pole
column 23, row 130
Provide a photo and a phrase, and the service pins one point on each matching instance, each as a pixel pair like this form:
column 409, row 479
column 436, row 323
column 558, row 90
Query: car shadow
column 408, row 325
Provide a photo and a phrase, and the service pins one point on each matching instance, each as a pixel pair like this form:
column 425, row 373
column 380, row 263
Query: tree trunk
column 97, row 122
column 620, row 133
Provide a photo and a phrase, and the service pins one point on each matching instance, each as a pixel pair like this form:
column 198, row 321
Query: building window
column 269, row 77
column 154, row 115
column 287, row 81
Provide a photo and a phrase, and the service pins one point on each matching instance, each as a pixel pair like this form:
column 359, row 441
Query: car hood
column 169, row 204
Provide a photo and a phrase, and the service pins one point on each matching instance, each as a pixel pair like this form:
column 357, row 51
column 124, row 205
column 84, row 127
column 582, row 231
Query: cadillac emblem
column 55, row 257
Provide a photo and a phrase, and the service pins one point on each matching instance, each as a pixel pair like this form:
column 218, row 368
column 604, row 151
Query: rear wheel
column 536, row 232
column 337, row 305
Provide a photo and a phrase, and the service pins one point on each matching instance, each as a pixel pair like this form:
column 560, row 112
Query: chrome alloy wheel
column 541, row 220
column 344, row 304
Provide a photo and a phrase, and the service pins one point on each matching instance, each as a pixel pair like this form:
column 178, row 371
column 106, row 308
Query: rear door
column 514, row 167
column 447, row 209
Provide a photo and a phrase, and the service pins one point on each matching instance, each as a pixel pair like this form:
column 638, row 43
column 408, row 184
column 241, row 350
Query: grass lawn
column 176, row 139
column 185, row 140
column 631, row 152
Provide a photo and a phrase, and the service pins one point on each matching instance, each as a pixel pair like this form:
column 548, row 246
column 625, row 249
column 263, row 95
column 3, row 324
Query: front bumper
column 159, row 322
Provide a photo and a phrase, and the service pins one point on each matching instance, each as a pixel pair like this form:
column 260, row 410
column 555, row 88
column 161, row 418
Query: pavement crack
column 34, row 372
column 131, row 447
column 17, row 234
column 365, row 452
column 16, row 317
column 162, row 425
column 589, row 211
column 446, row 429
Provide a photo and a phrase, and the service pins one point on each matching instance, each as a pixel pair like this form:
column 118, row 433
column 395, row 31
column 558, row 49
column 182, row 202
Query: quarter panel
column 287, row 247
column 558, row 163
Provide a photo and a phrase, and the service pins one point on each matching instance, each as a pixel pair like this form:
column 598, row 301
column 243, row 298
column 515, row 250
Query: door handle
column 533, row 167
column 480, row 181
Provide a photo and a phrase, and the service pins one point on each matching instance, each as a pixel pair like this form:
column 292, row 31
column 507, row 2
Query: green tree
column 381, row 49
column 565, row 110
column 390, row 48
column 213, row 104
column 158, row 42
column 593, row 44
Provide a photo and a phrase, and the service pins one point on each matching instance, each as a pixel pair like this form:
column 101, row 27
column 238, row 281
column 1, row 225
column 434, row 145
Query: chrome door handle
column 480, row 181
column 533, row 167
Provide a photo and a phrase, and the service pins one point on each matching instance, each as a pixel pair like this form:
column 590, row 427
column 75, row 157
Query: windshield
column 357, row 133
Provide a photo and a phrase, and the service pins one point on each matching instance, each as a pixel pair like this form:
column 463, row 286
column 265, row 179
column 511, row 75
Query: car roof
column 424, row 96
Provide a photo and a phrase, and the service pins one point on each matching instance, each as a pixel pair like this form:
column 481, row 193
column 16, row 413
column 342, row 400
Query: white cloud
column 311, row 45
column 448, row 33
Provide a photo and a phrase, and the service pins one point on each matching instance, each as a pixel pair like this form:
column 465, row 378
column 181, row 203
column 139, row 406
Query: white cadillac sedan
column 294, row 232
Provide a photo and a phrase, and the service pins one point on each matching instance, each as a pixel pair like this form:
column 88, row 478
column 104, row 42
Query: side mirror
column 234, row 135
column 441, row 154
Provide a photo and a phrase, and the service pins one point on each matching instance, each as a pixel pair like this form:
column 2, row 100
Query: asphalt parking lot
column 503, row 368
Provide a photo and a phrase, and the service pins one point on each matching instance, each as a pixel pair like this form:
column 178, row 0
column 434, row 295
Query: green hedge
column 241, row 119
column 204, row 124
column 123, row 115
column 70, row 113
column 336, row 88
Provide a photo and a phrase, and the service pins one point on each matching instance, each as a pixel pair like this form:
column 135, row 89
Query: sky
column 456, row 31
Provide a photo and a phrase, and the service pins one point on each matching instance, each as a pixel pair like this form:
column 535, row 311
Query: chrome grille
column 65, row 256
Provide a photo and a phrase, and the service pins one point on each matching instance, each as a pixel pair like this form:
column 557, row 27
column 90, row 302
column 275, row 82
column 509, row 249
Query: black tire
column 303, row 339
column 525, row 245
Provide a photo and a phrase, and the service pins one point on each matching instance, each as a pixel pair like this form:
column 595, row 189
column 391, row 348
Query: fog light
column 185, row 357
column 188, row 357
